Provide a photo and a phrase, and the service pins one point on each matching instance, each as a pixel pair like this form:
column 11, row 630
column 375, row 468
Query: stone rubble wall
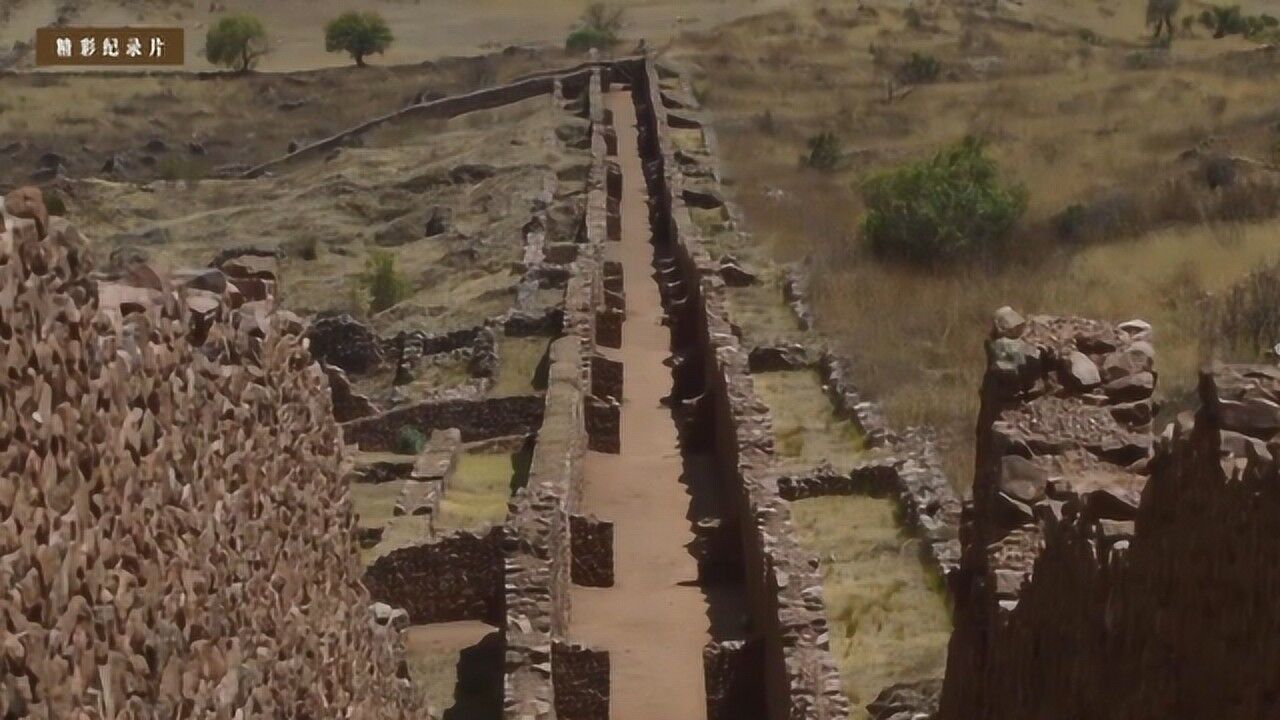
column 477, row 419
column 592, row 551
column 452, row 577
column 735, row 685
column 800, row 679
column 1105, row 576
column 176, row 535
column 443, row 108
column 543, row 679
column 581, row 678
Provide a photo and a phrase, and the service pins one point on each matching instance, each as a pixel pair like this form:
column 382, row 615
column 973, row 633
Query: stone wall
column 1108, row 575
column 174, row 519
column 592, row 551
column 735, row 685
column 477, row 419
column 452, row 577
column 800, row 680
column 581, row 678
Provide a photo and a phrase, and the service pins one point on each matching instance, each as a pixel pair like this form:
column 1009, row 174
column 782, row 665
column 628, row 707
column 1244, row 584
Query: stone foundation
column 477, row 419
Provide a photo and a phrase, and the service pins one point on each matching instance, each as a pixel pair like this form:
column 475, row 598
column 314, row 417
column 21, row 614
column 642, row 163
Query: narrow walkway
column 654, row 620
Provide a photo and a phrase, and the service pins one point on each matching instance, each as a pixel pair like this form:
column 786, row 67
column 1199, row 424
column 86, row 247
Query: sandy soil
column 654, row 620
column 424, row 29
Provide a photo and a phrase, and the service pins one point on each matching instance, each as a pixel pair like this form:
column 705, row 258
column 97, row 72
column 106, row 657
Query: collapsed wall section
column 1107, row 575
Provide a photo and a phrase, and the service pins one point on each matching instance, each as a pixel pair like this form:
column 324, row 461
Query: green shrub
column 410, row 440
column 949, row 207
column 54, row 203
column 584, row 39
column 919, row 68
column 824, row 152
column 597, row 29
column 914, row 20
column 237, row 42
column 175, row 167
column 1226, row 20
column 358, row 34
column 382, row 281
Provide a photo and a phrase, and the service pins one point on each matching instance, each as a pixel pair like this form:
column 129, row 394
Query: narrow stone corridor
column 654, row 620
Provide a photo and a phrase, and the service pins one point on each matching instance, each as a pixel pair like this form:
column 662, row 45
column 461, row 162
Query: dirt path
column 654, row 620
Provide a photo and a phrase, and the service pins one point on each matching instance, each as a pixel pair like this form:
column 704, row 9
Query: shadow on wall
column 478, row 692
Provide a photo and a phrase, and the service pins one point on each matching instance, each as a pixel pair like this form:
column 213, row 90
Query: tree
column 1161, row 13
column 598, row 29
column 236, row 41
column 950, row 207
column 359, row 34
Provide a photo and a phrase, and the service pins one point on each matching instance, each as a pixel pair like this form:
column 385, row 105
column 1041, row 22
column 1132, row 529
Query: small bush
column 824, row 152
column 358, row 34
column 237, row 42
column 914, row 19
column 54, row 203
column 919, row 68
column 410, row 440
column 1226, row 20
column 382, row 282
column 597, row 29
column 1244, row 321
column 584, row 39
column 949, row 207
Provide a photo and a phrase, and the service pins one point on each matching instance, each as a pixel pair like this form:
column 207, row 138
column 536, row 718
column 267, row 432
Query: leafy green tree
column 359, row 34
column 950, row 207
column 237, row 42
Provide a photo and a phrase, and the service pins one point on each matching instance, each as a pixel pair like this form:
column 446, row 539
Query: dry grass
column 804, row 424
column 889, row 620
column 1076, row 108
column 518, row 361
column 478, row 493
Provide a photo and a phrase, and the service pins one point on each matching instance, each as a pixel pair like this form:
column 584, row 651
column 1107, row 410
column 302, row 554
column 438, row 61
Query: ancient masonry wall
column 545, row 678
column 784, row 588
column 1108, row 574
column 173, row 512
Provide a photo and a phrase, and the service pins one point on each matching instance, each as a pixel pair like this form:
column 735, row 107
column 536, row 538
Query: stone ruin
column 1089, row 571
column 1109, row 572
column 174, row 527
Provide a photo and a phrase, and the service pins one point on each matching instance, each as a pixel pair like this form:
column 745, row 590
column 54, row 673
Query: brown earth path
column 654, row 620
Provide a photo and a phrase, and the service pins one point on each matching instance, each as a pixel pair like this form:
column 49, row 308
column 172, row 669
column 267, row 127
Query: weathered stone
column 1022, row 479
column 1082, row 371
column 28, row 203
column 1008, row 323
column 1131, row 388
